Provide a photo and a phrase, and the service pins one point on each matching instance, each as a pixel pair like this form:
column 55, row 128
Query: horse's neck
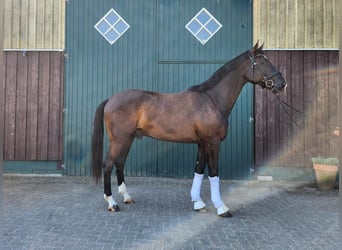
column 227, row 90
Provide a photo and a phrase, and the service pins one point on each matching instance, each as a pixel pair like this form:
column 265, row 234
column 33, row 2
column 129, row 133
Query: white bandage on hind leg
column 196, row 187
column 124, row 193
column 110, row 200
column 215, row 191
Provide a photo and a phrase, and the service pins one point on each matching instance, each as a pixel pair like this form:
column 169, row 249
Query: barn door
column 194, row 39
column 153, row 45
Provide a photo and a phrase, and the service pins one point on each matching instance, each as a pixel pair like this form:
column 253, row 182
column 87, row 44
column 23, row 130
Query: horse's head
column 262, row 72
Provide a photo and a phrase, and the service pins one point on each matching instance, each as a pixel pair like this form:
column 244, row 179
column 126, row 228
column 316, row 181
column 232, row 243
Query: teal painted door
column 158, row 53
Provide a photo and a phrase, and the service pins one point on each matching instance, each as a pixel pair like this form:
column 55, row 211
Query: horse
column 198, row 115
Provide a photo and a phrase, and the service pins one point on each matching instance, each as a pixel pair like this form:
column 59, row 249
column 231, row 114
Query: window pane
column 194, row 26
column 212, row 26
column 121, row 27
column 103, row 26
column 111, row 18
column 203, row 17
column 112, row 36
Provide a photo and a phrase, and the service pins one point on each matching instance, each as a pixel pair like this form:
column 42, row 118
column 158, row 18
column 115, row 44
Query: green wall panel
column 156, row 53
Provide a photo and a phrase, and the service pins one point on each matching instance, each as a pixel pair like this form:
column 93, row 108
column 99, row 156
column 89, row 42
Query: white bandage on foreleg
column 124, row 193
column 110, row 200
column 215, row 191
column 196, row 187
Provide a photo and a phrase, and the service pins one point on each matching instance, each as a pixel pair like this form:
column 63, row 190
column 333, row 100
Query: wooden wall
column 33, row 105
column 34, row 24
column 296, row 23
column 285, row 137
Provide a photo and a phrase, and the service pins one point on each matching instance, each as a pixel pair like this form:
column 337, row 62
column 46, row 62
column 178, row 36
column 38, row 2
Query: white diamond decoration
column 203, row 26
column 111, row 26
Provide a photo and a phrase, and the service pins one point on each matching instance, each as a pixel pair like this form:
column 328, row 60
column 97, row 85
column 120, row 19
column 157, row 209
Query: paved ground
column 70, row 213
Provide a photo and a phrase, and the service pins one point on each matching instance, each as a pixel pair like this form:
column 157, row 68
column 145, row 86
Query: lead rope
column 287, row 112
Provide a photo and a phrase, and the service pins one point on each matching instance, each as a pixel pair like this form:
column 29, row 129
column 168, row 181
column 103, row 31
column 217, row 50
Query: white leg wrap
column 196, row 192
column 123, row 192
column 216, row 196
column 196, row 187
column 110, row 200
column 215, row 191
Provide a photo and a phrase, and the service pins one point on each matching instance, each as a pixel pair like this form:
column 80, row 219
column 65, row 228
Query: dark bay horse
column 197, row 115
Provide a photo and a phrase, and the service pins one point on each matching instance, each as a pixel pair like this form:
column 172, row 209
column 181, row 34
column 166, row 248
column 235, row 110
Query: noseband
column 267, row 79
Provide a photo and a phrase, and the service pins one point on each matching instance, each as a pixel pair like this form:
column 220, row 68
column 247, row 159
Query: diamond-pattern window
column 203, row 26
column 111, row 26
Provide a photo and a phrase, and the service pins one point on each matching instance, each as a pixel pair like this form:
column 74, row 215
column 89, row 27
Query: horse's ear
column 255, row 47
column 262, row 45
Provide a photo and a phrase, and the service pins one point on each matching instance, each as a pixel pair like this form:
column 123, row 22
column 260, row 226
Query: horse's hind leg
column 120, row 164
column 108, row 167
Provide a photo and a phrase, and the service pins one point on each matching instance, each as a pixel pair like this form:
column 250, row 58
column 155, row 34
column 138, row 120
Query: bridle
column 269, row 84
column 267, row 79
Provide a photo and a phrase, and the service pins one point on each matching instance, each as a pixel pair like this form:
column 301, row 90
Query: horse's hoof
column 114, row 208
column 129, row 201
column 202, row 210
column 226, row 215
column 199, row 206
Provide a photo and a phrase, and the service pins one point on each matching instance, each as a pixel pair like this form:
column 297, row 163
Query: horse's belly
column 172, row 134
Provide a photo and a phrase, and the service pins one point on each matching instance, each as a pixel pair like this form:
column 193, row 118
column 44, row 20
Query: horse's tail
column 97, row 143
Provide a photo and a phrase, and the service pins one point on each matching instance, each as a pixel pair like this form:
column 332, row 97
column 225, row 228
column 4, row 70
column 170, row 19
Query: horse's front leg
column 199, row 205
column 213, row 154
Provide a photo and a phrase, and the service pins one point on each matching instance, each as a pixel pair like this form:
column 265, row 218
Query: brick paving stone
column 70, row 213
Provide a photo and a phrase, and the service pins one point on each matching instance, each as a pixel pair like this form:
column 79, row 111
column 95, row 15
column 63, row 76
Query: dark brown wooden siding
column 290, row 137
column 33, row 105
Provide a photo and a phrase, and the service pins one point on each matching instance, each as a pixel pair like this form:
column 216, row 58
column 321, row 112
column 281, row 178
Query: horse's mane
column 223, row 71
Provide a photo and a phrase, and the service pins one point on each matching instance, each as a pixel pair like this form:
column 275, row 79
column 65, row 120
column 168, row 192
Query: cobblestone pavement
column 70, row 213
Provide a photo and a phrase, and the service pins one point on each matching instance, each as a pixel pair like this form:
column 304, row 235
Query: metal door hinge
column 65, row 111
column 251, row 119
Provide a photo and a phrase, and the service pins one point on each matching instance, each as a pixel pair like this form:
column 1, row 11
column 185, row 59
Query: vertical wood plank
column 300, row 24
column 328, row 25
column 297, row 103
column 310, row 104
column 48, row 24
column 31, row 22
column 333, row 102
column 271, row 118
column 21, row 98
column 32, row 106
column 54, row 106
column 11, row 88
column 23, row 24
column 322, row 102
column 283, row 117
column 281, row 27
column 15, row 27
column 259, row 126
column 43, row 106
column 318, row 23
column 55, row 24
column 61, row 101
column 40, row 24
column 309, row 24
column 290, row 24
column 7, row 24
column 272, row 15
